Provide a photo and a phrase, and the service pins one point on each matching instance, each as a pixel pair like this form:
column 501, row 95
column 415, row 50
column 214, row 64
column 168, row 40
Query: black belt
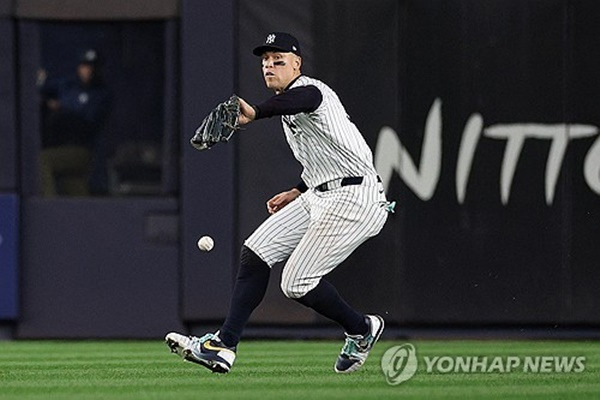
column 350, row 180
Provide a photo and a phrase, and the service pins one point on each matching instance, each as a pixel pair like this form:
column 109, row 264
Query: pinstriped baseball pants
column 319, row 230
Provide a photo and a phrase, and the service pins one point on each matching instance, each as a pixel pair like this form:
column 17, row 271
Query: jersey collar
column 292, row 82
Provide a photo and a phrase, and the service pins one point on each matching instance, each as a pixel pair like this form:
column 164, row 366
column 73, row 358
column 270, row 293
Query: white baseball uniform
column 321, row 228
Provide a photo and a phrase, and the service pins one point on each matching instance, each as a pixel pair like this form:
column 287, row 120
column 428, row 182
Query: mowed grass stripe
column 275, row 370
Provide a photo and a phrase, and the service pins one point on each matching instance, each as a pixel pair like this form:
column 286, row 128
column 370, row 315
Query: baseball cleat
column 207, row 351
column 357, row 347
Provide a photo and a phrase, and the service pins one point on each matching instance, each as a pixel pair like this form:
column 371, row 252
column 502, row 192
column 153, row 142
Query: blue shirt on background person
column 75, row 107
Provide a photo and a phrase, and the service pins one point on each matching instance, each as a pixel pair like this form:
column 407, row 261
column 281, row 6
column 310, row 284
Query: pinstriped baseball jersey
column 325, row 142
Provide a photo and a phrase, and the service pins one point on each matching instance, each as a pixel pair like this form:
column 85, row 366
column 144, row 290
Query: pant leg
column 277, row 237
column 341, row 220
column 271, row 243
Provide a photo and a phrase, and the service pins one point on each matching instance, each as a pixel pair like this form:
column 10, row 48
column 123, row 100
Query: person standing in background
column 74, row 112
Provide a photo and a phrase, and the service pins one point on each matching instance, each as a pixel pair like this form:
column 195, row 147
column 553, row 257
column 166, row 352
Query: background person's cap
column 90, row 57
column 278, row 41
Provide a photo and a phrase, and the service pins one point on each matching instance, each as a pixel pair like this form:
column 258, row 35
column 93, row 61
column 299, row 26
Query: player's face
column 279, row 69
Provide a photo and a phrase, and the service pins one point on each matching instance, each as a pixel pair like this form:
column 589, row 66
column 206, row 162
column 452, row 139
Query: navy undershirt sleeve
column 294, row 101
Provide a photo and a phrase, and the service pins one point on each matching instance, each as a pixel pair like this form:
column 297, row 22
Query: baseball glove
column 219, row 125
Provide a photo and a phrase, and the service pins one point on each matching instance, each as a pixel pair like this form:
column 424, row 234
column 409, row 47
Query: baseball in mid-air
column 206, row 243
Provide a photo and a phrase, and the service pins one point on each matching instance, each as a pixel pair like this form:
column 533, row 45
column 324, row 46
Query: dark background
column 440, row 263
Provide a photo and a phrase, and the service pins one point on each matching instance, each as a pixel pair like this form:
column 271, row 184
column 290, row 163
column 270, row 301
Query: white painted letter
column 468, row 144
column 391, row 155
column 591, row 167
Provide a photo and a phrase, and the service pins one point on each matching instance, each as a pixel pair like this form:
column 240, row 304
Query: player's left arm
column 281, row 200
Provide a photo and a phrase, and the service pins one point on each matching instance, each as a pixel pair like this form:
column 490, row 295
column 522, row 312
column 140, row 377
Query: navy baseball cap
column 278, row 41
column 90, row 57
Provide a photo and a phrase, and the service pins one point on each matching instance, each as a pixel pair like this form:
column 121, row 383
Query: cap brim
column 260, row 50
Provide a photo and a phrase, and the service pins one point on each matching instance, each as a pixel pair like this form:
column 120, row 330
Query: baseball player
column 338, row 204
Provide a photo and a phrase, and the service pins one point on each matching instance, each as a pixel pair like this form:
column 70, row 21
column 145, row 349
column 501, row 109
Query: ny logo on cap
column 270, row 39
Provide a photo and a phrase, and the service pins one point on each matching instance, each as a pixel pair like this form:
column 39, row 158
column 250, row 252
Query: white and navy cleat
column 207, row 350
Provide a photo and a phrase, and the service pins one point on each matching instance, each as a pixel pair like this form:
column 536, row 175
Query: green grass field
column 279, row 370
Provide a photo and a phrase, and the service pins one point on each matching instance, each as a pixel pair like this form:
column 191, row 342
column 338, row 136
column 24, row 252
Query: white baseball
column 206, row 243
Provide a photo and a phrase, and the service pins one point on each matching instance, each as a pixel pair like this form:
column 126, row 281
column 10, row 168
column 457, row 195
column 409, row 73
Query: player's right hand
column 281, row 200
